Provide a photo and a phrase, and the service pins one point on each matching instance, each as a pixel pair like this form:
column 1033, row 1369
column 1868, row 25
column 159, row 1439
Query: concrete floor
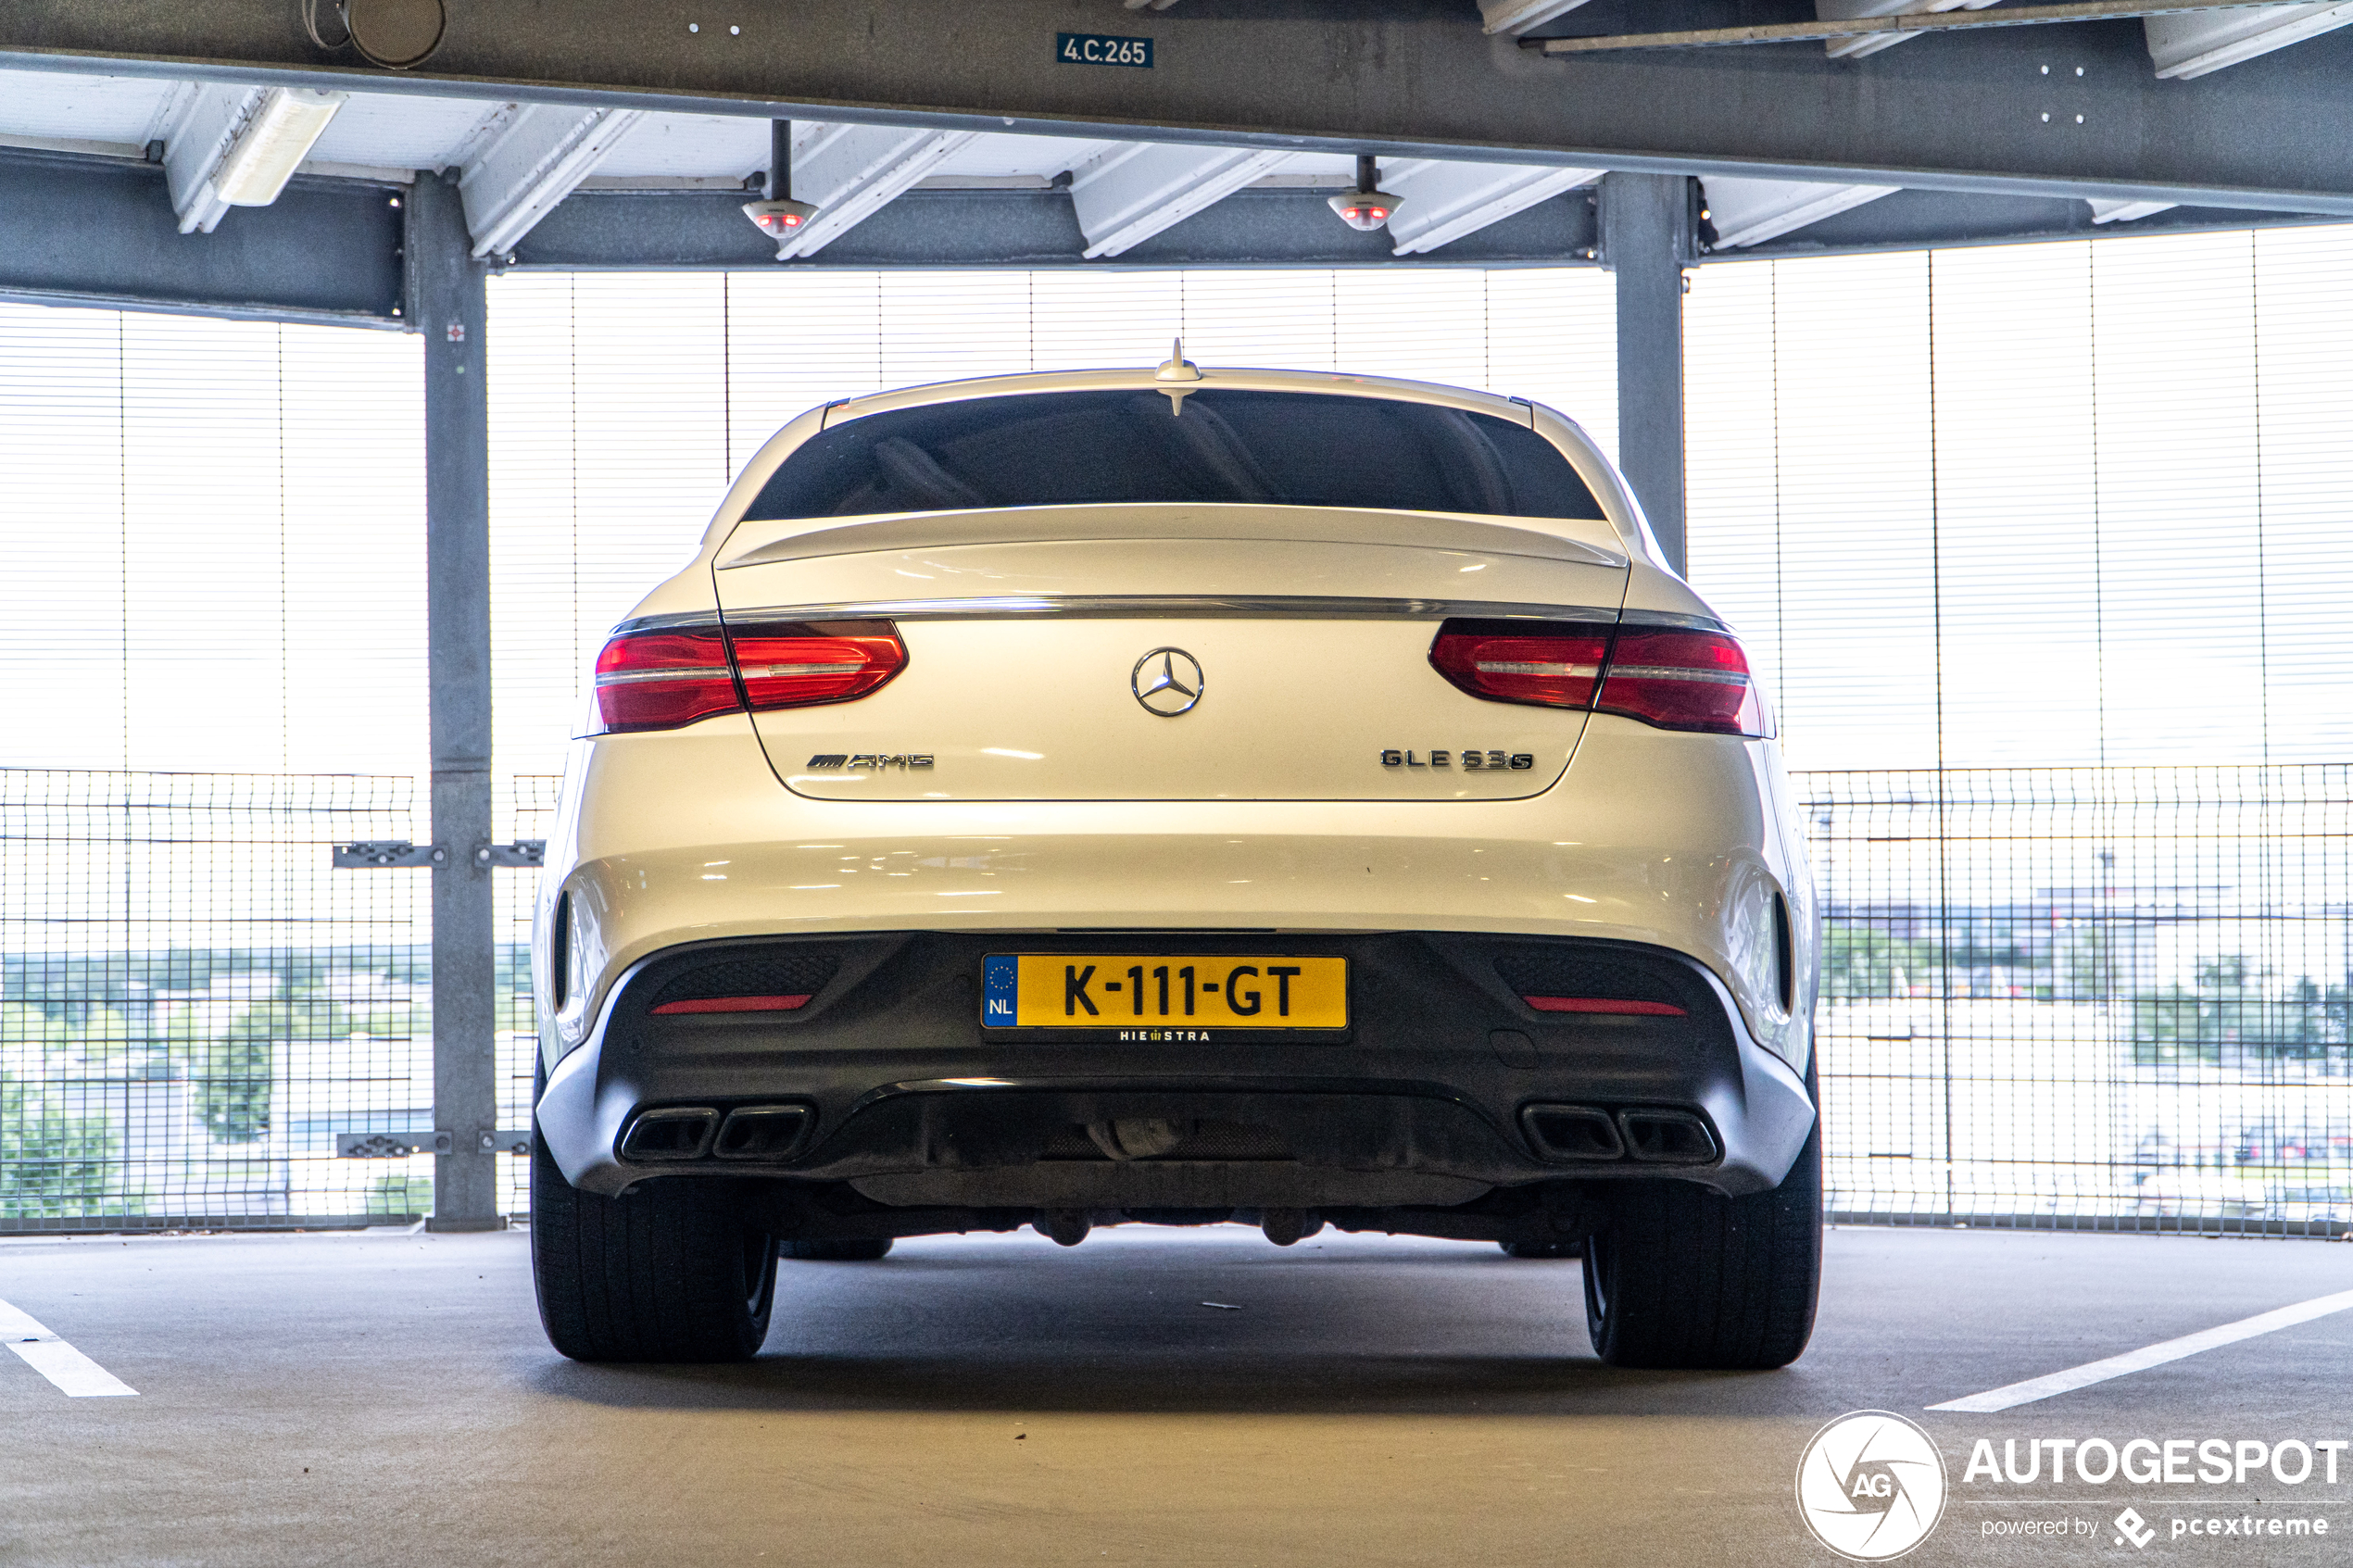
column 389, row 1400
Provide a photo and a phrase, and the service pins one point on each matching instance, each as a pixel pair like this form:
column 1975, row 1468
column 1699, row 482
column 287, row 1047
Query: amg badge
column 875, row 759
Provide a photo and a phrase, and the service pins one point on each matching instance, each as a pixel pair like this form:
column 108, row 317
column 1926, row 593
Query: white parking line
column 80, row 1377
column 2035, row 1389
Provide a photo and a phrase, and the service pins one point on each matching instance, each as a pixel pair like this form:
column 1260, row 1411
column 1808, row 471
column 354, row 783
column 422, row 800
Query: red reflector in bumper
column 737, row 1004
column 1597, row 1004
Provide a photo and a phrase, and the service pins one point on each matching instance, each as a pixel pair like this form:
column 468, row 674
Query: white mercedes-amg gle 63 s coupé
column 1175, row 796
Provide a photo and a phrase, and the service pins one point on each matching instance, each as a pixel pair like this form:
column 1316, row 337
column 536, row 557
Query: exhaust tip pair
column 1589, row 1135
column 748, row 1132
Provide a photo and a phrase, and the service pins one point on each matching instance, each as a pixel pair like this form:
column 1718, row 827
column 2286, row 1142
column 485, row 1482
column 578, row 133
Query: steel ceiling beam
column 328, row 251
column 1900, row 25
column 77, row 229
column 1971, row 111
column 596, row 230
column 1916, row 220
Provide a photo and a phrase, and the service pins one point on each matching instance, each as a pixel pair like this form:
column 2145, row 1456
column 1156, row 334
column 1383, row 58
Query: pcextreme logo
column 1871, row 1485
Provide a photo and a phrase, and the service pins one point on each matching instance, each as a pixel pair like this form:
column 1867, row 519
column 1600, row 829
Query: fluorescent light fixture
column 285, row 125
column 1512, row 17
column 1873, row 43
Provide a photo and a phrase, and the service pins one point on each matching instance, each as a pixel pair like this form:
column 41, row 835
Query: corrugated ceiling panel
column 384, row 132
column 700, row 146
column 92, row 109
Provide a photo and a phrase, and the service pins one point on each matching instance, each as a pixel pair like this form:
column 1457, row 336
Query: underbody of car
column 1179, row 797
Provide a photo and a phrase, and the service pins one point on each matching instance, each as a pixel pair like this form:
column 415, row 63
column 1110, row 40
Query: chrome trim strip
column 1195, row 606
column 1190, row 607
column 1671, row 618
column 676, row 620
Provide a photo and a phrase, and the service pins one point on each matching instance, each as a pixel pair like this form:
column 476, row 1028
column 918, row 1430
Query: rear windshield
column 1075, row 448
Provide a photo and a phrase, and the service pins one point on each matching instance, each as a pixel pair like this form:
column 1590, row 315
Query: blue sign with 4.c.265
column 1103, row 49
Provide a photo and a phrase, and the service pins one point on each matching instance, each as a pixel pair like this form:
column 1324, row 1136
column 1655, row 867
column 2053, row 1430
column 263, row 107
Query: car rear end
column 1058, row 801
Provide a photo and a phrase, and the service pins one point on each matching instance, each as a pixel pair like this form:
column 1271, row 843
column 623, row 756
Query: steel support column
column 1647, row 240
column 446, row 304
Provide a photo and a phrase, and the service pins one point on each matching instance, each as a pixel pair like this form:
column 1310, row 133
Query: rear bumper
column 1422, row 1100
column 1676, row 841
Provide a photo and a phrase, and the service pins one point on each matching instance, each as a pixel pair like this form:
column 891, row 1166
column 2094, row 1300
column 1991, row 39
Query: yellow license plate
column 1123, row 990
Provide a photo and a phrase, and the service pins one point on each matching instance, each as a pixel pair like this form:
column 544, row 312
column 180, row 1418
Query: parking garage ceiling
column 136, row 140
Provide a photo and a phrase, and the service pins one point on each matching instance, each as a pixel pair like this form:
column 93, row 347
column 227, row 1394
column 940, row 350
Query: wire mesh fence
column 2058, row 998
column 531, row 813
column 2087, row 998
column 193, row 1004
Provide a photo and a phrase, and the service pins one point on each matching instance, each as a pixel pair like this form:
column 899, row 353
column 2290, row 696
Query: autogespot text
column 2148, row 1461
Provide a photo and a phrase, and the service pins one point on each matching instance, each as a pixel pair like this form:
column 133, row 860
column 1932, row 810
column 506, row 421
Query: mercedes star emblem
column 1168, row 682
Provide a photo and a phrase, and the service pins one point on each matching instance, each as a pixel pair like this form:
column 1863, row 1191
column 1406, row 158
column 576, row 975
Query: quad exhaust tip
column 1589, row 1135
column 748, row 1133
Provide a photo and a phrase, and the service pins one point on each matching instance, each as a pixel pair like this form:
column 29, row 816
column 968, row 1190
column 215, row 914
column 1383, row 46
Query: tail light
column 803, row 664
column 662, row 678
column 1521, row 661
column 1675, row 677
column 1683, row 680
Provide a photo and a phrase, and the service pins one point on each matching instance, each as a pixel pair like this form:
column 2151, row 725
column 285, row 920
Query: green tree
column 105, row 1038
column 2089, row 969
column 234, row 1093
column 1860, row 963
column 2225, row 1015
column 401, row 1194
column 52, row 1165
column 22, row 1023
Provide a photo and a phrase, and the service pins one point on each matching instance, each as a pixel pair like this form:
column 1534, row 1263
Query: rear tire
column 1682, row 1277
column 672, row 1272
column 835, row 1251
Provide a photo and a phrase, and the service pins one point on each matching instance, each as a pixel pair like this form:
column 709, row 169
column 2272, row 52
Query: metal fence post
column 1646, row 222
column 445, row 301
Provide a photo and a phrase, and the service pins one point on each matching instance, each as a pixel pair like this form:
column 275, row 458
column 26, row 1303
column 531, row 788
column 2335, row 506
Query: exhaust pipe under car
column 1649, row 1135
